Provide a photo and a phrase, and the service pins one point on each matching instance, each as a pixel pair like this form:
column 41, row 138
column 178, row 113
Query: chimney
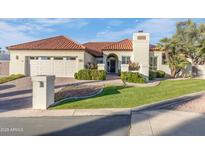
column 140, row 53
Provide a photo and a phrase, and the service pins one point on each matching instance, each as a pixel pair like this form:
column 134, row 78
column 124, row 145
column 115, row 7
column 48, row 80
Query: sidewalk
column 70, row 112
column 167, row 123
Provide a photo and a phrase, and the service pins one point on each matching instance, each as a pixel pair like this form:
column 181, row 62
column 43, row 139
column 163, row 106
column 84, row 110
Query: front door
column 112, row 66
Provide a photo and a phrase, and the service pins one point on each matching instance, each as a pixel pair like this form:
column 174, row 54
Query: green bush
column 76, row 75
column 123, row 76
column 152, row 74
column 134, row 77
column 10, row 78
column 156, row 74
column 160, row 74
column 119, row 72
column 84, row 74
column 90, row 74
column 102, row 75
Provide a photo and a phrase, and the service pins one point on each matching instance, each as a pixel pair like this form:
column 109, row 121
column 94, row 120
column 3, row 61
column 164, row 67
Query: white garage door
column 58, row 66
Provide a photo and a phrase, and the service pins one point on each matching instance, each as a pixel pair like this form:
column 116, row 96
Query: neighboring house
column 63, row 57
column 4, row 64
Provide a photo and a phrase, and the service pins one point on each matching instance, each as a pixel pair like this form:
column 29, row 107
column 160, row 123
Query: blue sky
column 14, row 31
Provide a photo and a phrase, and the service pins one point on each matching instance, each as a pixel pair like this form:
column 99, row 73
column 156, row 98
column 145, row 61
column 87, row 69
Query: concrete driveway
column 17, row 94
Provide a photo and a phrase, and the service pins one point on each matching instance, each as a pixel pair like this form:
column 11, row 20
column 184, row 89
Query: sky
column 15, row 31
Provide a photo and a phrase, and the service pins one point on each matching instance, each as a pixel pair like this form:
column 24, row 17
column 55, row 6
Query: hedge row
column 134, row 77
column 156, row 74
column 90, row 74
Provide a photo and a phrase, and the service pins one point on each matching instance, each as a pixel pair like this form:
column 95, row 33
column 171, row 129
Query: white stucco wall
column 161, row 66
column 101, row 66
column 124, row 67
column 200, row 71
column 141, row 52
column 89, row 58
column 21, row 66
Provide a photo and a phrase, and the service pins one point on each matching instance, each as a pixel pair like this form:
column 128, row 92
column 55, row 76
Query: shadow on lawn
column 111, row 90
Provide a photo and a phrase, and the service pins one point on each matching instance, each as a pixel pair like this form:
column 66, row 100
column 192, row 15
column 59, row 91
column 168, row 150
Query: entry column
column 43, row 91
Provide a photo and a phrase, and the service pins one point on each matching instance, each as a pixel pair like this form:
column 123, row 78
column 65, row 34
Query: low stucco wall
column 199, row 71
column 4, row 68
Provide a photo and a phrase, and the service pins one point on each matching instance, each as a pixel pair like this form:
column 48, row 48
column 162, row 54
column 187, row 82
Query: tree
column 176, row 60
column 191, row 38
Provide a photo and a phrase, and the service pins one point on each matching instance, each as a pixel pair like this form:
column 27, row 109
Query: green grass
column 10, row 78
column 126, row 97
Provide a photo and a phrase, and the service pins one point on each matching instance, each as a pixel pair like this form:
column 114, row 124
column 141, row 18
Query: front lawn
column 10, row 78
column 126, row 97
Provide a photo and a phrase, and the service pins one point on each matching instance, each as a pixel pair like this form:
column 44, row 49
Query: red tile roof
column 64, row 43
column 95, row 48
column 124, row 45
column 54, row 43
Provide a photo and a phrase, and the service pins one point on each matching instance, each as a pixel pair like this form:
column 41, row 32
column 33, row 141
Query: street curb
column 70, row 112
column 167, row 102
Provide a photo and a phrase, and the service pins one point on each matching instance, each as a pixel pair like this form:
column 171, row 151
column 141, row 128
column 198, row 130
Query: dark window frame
column 125, row 59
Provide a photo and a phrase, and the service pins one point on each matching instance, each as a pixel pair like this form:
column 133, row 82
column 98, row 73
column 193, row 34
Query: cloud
column 14, row 31
column 158, row 28
column 10, row 34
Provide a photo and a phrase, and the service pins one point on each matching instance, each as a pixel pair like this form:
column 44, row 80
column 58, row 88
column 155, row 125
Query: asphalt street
column 66, row 126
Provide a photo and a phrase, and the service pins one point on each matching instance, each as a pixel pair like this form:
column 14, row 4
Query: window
column 153, row 63
column 125, row 59
column 164, row 59
column 45, row 58
column 33, row 58
column 99, row 61
column 17, row 57
column 70, row 58
column 58, row 58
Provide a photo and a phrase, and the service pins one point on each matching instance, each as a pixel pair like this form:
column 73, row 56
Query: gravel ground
column 196, row 105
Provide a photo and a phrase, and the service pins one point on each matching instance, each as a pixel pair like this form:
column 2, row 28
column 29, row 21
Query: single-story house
column 62, row 57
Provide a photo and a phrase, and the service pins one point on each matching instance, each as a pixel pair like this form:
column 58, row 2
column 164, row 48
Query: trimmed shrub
column 97, row 75
column 102, row 75
column 134, row 77
column 156, row 74
column 152, row 74
column 84, row 74
column 123, row 76
column 76, row 75
column 160, row 74
column 90, row 74
column 119, row 72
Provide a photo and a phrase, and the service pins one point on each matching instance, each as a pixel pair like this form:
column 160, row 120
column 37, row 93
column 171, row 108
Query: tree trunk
column 173, row 72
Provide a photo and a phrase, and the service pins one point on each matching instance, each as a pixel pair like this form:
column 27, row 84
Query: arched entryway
column 112, row 63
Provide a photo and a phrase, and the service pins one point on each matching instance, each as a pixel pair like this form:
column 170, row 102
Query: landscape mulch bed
column 77, row 91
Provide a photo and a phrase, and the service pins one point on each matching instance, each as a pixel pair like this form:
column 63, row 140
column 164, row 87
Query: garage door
column 58, row 66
